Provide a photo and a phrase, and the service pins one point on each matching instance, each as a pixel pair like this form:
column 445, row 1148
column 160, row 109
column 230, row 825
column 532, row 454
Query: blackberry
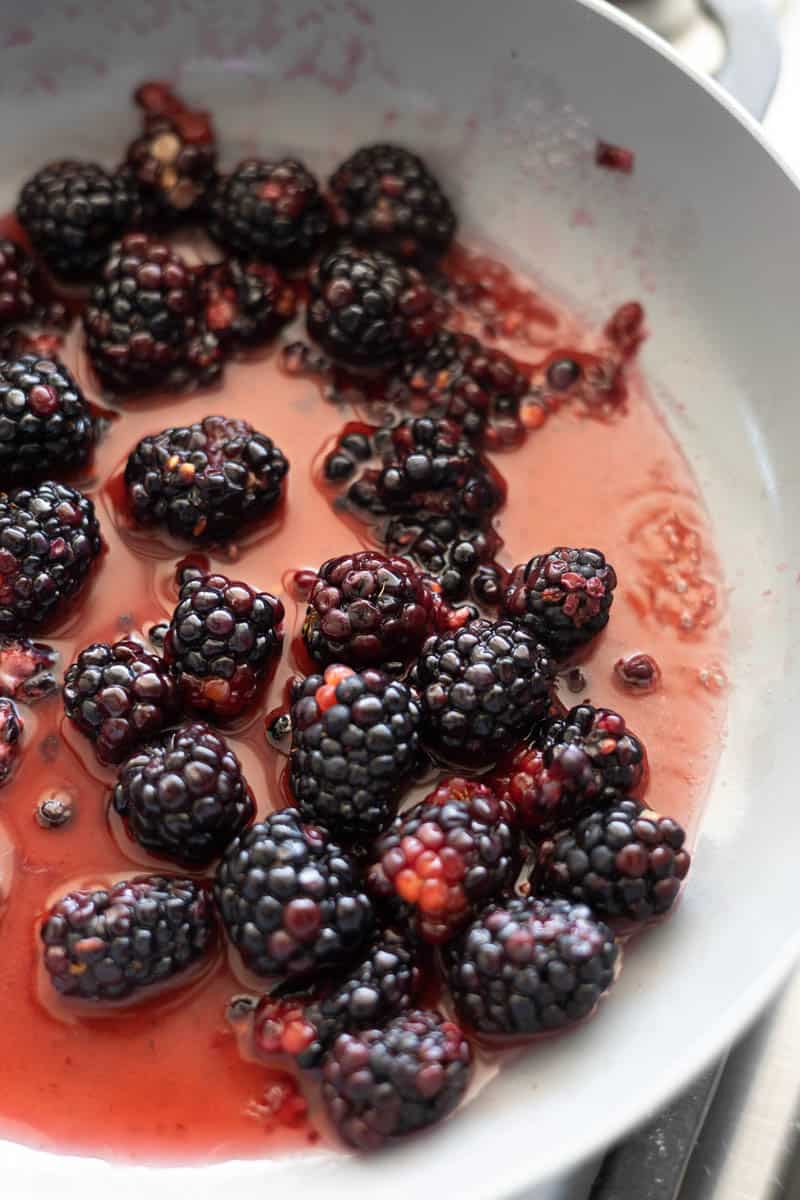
column 220, row 641
column 528, row 966
column 108, row 943
column 367, row 610
column 11, row 726
column 18, row 284
column 482, row 687
column 386, row 197
column 366, row 310
column 173, row 160
column 270, row 209
column 26, row 669
column 204, row 481
column 626, row 861
column 245, row 304
column 118, row 696
column 46, row 425
column 290, row 899
column 386, row 1083
column 445, row 857
column 142, row 315
column 563, row 598
column 382, row 984
column 72, row 212
column 184, row 796
column 49, row 538
column 355, row 746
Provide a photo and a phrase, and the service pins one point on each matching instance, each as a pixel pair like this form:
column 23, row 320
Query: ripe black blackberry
column 367, row 310
column 244, row 304
column 386, row 1083
column 108, row 943
column 368, row 610
column 528, row 966
column 482, row 687
column 270, row 209
column 355, row 746
column 173, row 160
column 119, row 696
column 221, row 638
column 290, row 899
column 49, row 538
column 72, row 212
column 386, row 197
column 459, row 557
column 381, row 984
column 445, row 858
column 183, row 795
column 142, row 315
column 204, row 481
column 563, row 598
column 46, row 425
column 18, row 284
column 626, row 861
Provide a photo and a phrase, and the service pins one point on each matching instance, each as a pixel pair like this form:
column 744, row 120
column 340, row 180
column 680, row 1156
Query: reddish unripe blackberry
column 119, row 696
column 626, row 861
column 563, row 598
column 10, row 733
column 386, row 1083
column 368, row 610
column 291, row 900
column 26, row 669
column 445, row 858
column 386, row 197
column 109, row 943
column 221, row 639
column 525, row 967
column 244, row 304
column 184, row 795
column 173, row 160
column 270, row 209
column 46, row 424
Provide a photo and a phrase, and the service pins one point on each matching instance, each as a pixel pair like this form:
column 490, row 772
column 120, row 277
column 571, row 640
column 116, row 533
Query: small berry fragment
column 55, row 809
column 563, row 598
column 26, row 669
column 639, row 672
column 10, row 734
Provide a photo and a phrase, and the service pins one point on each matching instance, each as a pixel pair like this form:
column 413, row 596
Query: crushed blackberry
column 386, row 197
column 221, row 639
column 46, row 425
column 10, row 733
column 445, row 858
column 109, row 943
column 367, row 310
column 386, row 1083
column 368, row 610
column 204, row 481
column 244, row 304
column 383, row 983
column 291, row 900
column 26, row 669
column 563, row 598
column 173, row 160
column 119, row 696
column 184, row 796
column 270, row 209
column 49, row 538
column 525, row 967
column 72, row 212
column 355, row 746
column 626, row 861
column 482, row 687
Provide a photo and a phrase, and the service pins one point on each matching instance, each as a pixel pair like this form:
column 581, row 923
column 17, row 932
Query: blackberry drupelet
column 220, row 641
column 204, row 481
column 244, row 304
column 109, row 943
column 563, row 598
column 386, row 197
column 49, row 538
column 11, row 726
column 445, row 858
column 626, row 861
column 367, row 310
column 525, row 967
column 46, row 425
column 118, row 696
column 380, row 985
column 141, row 317
column 72, row 211
column 174, row 158
column 482, row 687
column 270, row 209
column 291, row 900
column 183, row 795
column 355, row 746
column 386, row 1083
column 368, row 610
